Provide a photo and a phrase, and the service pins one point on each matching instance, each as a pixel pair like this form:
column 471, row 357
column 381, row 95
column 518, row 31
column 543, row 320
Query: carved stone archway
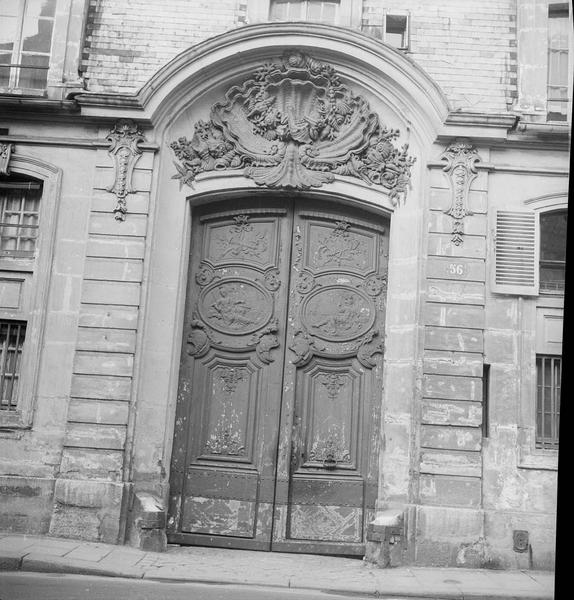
column 221, row 112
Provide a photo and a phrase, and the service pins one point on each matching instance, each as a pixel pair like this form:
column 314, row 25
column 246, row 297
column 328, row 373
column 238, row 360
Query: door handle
column 330, row 462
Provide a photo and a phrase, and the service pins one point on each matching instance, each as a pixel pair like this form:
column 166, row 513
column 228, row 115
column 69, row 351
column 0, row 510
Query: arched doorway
column 199, row 97
column 276, row 441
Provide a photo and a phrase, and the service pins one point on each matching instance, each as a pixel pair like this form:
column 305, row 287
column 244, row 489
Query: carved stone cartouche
column 295, row 125
column 460, row 158
column 124, row 151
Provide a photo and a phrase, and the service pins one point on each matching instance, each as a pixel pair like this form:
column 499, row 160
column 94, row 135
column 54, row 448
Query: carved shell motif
column 295, row 125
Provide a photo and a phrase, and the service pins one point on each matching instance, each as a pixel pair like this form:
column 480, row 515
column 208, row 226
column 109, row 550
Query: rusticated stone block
column 103, row 412
column 468, row 464
column 440, row 362
column 452, row 387
column 88, row 510
column 91, row 435
column 105, row 315
column 111, row 292
column 457, row 339
column 441, row 244
column 25, row 504
column 451, row 438
column 101, row 387
column 455, row 292
column 453, row 315
column 449, row 412
column 450, row 491
column 92, row 463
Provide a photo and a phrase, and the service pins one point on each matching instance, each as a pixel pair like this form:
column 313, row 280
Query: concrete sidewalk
column 211, row 565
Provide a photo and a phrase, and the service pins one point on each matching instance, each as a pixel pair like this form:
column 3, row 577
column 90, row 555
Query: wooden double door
column 277, row 424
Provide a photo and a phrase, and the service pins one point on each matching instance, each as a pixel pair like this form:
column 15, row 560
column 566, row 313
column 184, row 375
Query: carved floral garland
column 295, row 125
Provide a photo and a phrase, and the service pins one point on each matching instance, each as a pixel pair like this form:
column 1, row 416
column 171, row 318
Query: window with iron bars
column 19, row 208
column 26, row 32
column 12, row 335
column 548, row 376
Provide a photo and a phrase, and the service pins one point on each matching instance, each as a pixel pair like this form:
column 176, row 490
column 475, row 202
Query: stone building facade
column 285, row 275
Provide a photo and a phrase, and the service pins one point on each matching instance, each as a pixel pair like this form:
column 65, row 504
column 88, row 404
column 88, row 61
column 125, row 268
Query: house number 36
column 456, row 269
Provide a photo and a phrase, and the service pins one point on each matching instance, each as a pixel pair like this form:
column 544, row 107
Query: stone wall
column 128, row 41
column 469, row 48
column 89, row 491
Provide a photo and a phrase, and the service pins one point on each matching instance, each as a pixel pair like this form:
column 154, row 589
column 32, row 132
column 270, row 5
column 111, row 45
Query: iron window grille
column 12, row 336
column 19, row 210
column 26, row 42
column 548, row 375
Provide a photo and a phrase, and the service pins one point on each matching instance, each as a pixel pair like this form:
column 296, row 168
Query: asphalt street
column 47, row 586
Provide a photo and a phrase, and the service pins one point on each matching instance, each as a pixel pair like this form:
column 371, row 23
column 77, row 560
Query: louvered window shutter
column 516, row 252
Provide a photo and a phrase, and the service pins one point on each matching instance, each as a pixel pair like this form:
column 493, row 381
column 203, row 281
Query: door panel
column 330, row 410
column 223, row 471
column 276, row 441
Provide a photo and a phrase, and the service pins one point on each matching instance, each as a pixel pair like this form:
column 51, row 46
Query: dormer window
column 26, row 43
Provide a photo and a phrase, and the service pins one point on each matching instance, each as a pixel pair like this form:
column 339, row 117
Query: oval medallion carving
column 236, row 306
column 338, row 313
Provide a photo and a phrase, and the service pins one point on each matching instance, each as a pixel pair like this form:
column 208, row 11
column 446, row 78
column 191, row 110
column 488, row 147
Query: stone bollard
column 148, row 522
column 386, row 540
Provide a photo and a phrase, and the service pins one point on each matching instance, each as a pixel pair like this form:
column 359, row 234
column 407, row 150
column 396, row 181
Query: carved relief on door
column 276, row 439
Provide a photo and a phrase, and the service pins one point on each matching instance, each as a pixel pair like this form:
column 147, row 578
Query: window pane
column 9, row 7
column 294, row 9
column 278, row 11
column 553, row 235
column 37, row 35
column 8, row 32
column 553, row 250
column 19, row 206
column 396, row 30
column 31, row 77
column 330, row 12
column 314, row 11
column 41, row 8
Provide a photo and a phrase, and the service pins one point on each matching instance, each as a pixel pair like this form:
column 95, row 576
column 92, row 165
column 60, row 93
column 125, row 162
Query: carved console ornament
column 295, row 125
column 124, row 151
column 5, row 154
column 461, row 158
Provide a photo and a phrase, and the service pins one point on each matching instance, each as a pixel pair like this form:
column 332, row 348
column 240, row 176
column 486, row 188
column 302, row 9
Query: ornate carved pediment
column 295, row 125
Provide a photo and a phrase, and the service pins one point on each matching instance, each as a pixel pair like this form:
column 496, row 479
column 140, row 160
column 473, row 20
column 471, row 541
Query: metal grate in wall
column 548, row 375
column 12, row 335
